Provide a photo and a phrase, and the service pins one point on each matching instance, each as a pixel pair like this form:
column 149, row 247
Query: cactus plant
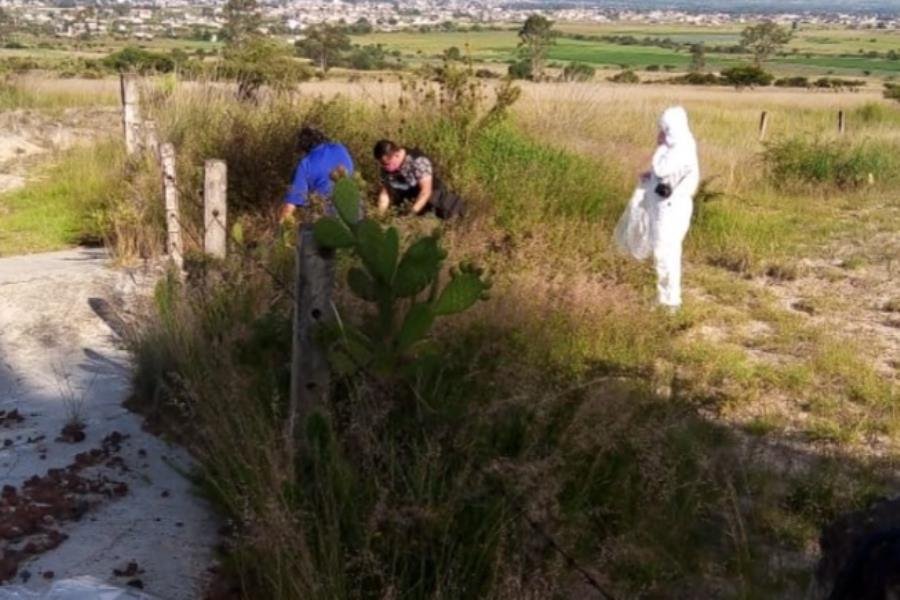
column 392, row 282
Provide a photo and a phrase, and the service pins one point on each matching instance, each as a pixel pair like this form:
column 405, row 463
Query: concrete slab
column 59, row 359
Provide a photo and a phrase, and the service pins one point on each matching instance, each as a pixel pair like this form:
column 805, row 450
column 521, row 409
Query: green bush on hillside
column 626, row 76
column 262, row 62
column 835, row 83
column 798, row 82
column 139, row 60
column 698, row 79
column 578, row 72
column 841, row 164
column 747, row 76
column 520, row 69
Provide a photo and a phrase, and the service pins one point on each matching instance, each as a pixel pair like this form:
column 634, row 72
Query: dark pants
column 447, row 205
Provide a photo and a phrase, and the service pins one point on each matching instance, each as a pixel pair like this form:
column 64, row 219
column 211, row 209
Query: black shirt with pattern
column 403, row 185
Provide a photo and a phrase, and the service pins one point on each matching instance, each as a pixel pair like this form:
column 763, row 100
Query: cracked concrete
column 60, row 360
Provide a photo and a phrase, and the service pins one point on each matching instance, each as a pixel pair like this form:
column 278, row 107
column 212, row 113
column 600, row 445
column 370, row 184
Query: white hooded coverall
column 675, row 164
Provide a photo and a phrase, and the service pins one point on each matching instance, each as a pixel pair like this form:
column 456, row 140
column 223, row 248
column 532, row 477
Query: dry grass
column 43, row 93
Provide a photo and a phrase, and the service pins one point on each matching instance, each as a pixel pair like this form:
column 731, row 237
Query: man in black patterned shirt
column 408, row 180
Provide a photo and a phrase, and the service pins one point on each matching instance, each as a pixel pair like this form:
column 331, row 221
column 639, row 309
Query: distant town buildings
column 145, row 19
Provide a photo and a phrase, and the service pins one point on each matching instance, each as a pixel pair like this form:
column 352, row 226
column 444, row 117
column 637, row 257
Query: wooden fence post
column 763, row 125
column 151, row 139
column 131, row 111
column 170, row 192
column 842, row 124
column 310, row 378
column 215, row 208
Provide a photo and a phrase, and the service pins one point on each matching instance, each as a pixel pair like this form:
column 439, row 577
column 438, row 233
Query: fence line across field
column 765, row 117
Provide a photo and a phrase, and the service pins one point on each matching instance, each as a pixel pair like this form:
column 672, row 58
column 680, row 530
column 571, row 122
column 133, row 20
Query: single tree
column 324, row 44
column 698, row 58
column 764, row 39
column 535, row 38
column 453, row 54
column 361, row 27
column 242, row 20
column 262, row 61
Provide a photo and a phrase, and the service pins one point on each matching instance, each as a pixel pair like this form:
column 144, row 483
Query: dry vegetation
column 696, row 455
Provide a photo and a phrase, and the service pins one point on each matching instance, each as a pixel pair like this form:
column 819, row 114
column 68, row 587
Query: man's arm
column 287, row 212
column 426, row 185
column 384, row 201
column 298, row 192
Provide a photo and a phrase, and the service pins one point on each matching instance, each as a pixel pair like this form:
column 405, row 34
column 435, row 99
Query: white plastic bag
column 79, row 588
column 632, row 235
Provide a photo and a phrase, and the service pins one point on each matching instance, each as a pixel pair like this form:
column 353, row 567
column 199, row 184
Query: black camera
column 663, row 190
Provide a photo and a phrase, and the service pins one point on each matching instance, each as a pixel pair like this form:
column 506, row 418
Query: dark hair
column 309, row 138
column 384, row 148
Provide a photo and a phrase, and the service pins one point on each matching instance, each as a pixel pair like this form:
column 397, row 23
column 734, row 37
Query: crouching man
column 315, row 174
column 408, row 181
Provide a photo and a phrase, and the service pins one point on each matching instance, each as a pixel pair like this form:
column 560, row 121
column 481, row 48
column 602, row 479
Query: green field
column 813, row 51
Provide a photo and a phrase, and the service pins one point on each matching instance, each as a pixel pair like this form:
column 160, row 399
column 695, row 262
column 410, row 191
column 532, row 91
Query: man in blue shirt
column 315, row 173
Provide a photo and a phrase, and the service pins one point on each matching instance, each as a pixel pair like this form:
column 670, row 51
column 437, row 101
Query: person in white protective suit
column 671, row 182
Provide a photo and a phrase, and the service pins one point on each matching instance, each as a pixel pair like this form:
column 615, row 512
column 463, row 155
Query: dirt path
column 854, row 291
column 71, row 506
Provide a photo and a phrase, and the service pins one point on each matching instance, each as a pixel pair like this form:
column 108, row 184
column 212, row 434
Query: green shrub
column 698, row 79
column 835, row 83
column 486, row 74
column 828, row 162
column 799, row 82
column 370, row 57
column 747, row 76
column 626, row 76
column 141, row 61
column 578, row 72
column 892, row 91
column 520, row 69
column 872, row 113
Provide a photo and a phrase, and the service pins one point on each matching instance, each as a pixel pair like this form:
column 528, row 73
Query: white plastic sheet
column 632, row 234
column 78, row 588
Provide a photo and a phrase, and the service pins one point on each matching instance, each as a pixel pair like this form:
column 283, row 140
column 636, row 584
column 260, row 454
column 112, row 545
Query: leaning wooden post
column 215, row 209
column 170, row 193
column 310, row 377
column 131, row 111
column 842, row 124
column 763, row 125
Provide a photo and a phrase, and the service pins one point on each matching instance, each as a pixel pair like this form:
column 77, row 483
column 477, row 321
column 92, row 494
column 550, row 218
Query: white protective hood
column 676, row 158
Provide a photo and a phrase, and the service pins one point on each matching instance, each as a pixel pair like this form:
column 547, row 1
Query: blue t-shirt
column 313, row 174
